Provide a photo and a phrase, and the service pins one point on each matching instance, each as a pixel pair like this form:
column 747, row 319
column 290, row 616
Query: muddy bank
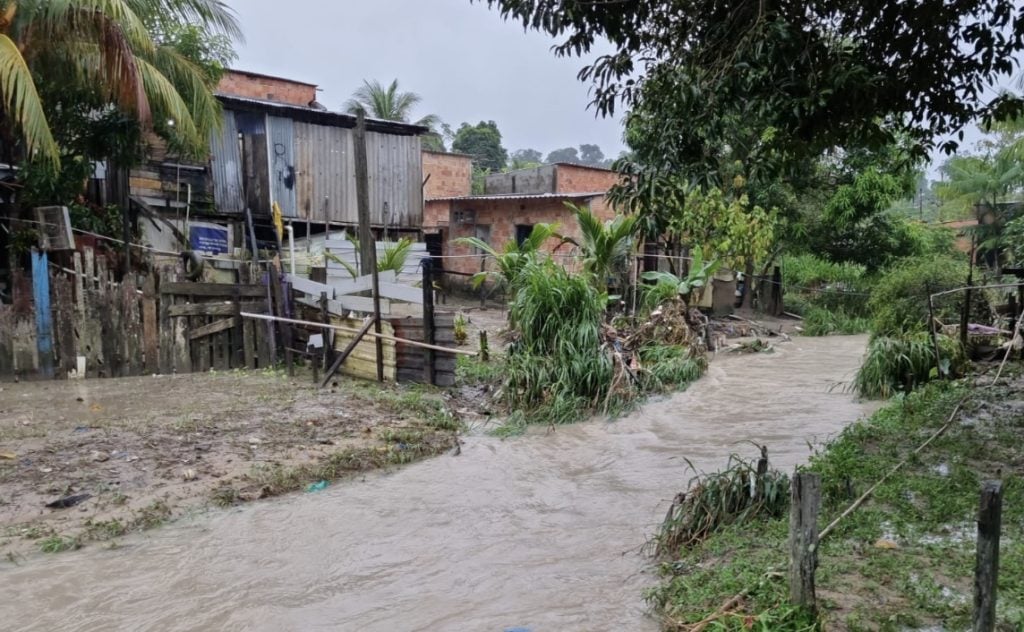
column 542, row 531
column 133, row 453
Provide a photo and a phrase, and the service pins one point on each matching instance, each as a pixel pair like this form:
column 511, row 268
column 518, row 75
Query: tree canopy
column 565, row 154
column 116, row 59
column 483, row 142
column 819, row 74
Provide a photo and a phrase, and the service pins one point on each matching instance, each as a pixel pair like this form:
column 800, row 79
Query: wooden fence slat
column 43, row 311
column 150, row 326
column 218, row 290
column 212, row 309
column 214, row 327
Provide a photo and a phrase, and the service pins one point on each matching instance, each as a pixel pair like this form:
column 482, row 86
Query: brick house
column 512, row 203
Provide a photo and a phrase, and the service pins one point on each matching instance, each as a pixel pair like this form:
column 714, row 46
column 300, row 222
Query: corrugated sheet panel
column 324, row 165
column 325, row 173
column 282, row 164
column 396, row 168
column 226, row 167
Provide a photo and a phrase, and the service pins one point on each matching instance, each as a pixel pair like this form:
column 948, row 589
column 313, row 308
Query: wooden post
column 328, row 334
column 345, row 352
column 966, row 311
column 777, row 306
column 44, row 316
column 485, row 350
column 367, row 245
column 986, row 569
column 805, row 501
column 931, row 329
column 428, row 320
column 271, row 341
column 277, row 307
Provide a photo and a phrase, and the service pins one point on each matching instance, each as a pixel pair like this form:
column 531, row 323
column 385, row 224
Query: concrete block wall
column 256, row 86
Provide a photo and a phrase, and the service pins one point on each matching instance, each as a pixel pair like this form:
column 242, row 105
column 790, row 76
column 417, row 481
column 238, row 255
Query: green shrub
column 811, row 282
column 669, row 367
column 555, row 366
column 894, row 364
column 899, row 302
column 819, row 321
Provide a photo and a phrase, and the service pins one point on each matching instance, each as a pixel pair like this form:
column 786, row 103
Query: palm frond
column 188, row 78
column 165, row 99
column 22, row 102
column 215, row 14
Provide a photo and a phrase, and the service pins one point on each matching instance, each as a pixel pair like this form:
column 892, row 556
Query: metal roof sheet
column 518, row 196
column 318, row 116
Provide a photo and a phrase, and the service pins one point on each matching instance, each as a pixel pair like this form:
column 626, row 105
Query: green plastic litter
column 317, row 486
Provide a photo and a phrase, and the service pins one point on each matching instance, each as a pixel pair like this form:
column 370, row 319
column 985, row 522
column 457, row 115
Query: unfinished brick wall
column 255, row 86
column 450, row 175
column 435, row 215
column 575, row 179
column 501, row 218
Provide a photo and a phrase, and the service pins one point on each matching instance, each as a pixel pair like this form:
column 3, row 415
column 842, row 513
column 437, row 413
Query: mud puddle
column 542, row 531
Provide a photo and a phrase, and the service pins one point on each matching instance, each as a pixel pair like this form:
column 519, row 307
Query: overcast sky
column 462, row 58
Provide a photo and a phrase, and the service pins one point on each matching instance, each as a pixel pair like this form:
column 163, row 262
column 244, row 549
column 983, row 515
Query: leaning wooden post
column 428, row 320
column 367, row 244
column 805, row 501
column 986, row 568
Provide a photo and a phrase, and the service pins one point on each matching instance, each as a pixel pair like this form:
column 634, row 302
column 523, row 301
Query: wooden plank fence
column 79, row 322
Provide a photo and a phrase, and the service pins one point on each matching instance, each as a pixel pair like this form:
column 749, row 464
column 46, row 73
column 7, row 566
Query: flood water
column 542, row 531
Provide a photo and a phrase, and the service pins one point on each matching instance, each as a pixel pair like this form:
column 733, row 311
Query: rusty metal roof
column 518, row 196
column 318, row 116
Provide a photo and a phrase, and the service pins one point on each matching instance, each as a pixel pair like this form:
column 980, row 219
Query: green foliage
column 389, row 103
column 461, row 332
column 904, row 362
column 899, row 302
column 514, row 257
column 711, row 502
column 104, row 220
column 526, row 158
column 395, row 255
column 483, row 142
column 819, row 321
column 556, row 370
column 565, row 154
column 670, row 367
column 606, row 247
column 668, row 285
column 822, row 74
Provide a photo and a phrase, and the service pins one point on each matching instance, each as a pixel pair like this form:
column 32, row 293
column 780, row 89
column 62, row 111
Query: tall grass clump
column 902, row 363
column 556, row 369
column 669, row 367
column 743, row 491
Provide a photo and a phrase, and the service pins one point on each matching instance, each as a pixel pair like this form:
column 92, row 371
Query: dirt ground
column 131, row 453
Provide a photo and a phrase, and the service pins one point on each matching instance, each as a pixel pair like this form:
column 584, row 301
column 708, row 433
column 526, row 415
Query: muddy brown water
column 542, row 531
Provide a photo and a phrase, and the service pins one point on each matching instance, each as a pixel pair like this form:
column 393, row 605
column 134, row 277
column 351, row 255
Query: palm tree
column 389, row 104
column 605, row 246
column 104, row 47
column 513, row 257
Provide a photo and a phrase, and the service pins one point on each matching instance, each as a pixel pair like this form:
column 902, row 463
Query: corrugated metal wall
column 282, row 164
column 318, row 162
column 226, row 167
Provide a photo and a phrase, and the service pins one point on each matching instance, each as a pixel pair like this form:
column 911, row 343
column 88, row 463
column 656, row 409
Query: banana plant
column 513, row 257
column 695, row 280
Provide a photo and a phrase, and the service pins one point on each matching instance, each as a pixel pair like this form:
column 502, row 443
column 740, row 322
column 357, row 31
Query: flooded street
column 542, row 531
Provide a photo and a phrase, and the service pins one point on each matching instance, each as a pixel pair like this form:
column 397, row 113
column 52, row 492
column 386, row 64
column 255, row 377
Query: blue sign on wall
column 209, row 239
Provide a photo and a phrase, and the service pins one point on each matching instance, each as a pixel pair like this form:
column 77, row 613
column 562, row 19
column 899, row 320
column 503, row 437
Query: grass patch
column 819, row 321
column 58, row 544
column 905, row 558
